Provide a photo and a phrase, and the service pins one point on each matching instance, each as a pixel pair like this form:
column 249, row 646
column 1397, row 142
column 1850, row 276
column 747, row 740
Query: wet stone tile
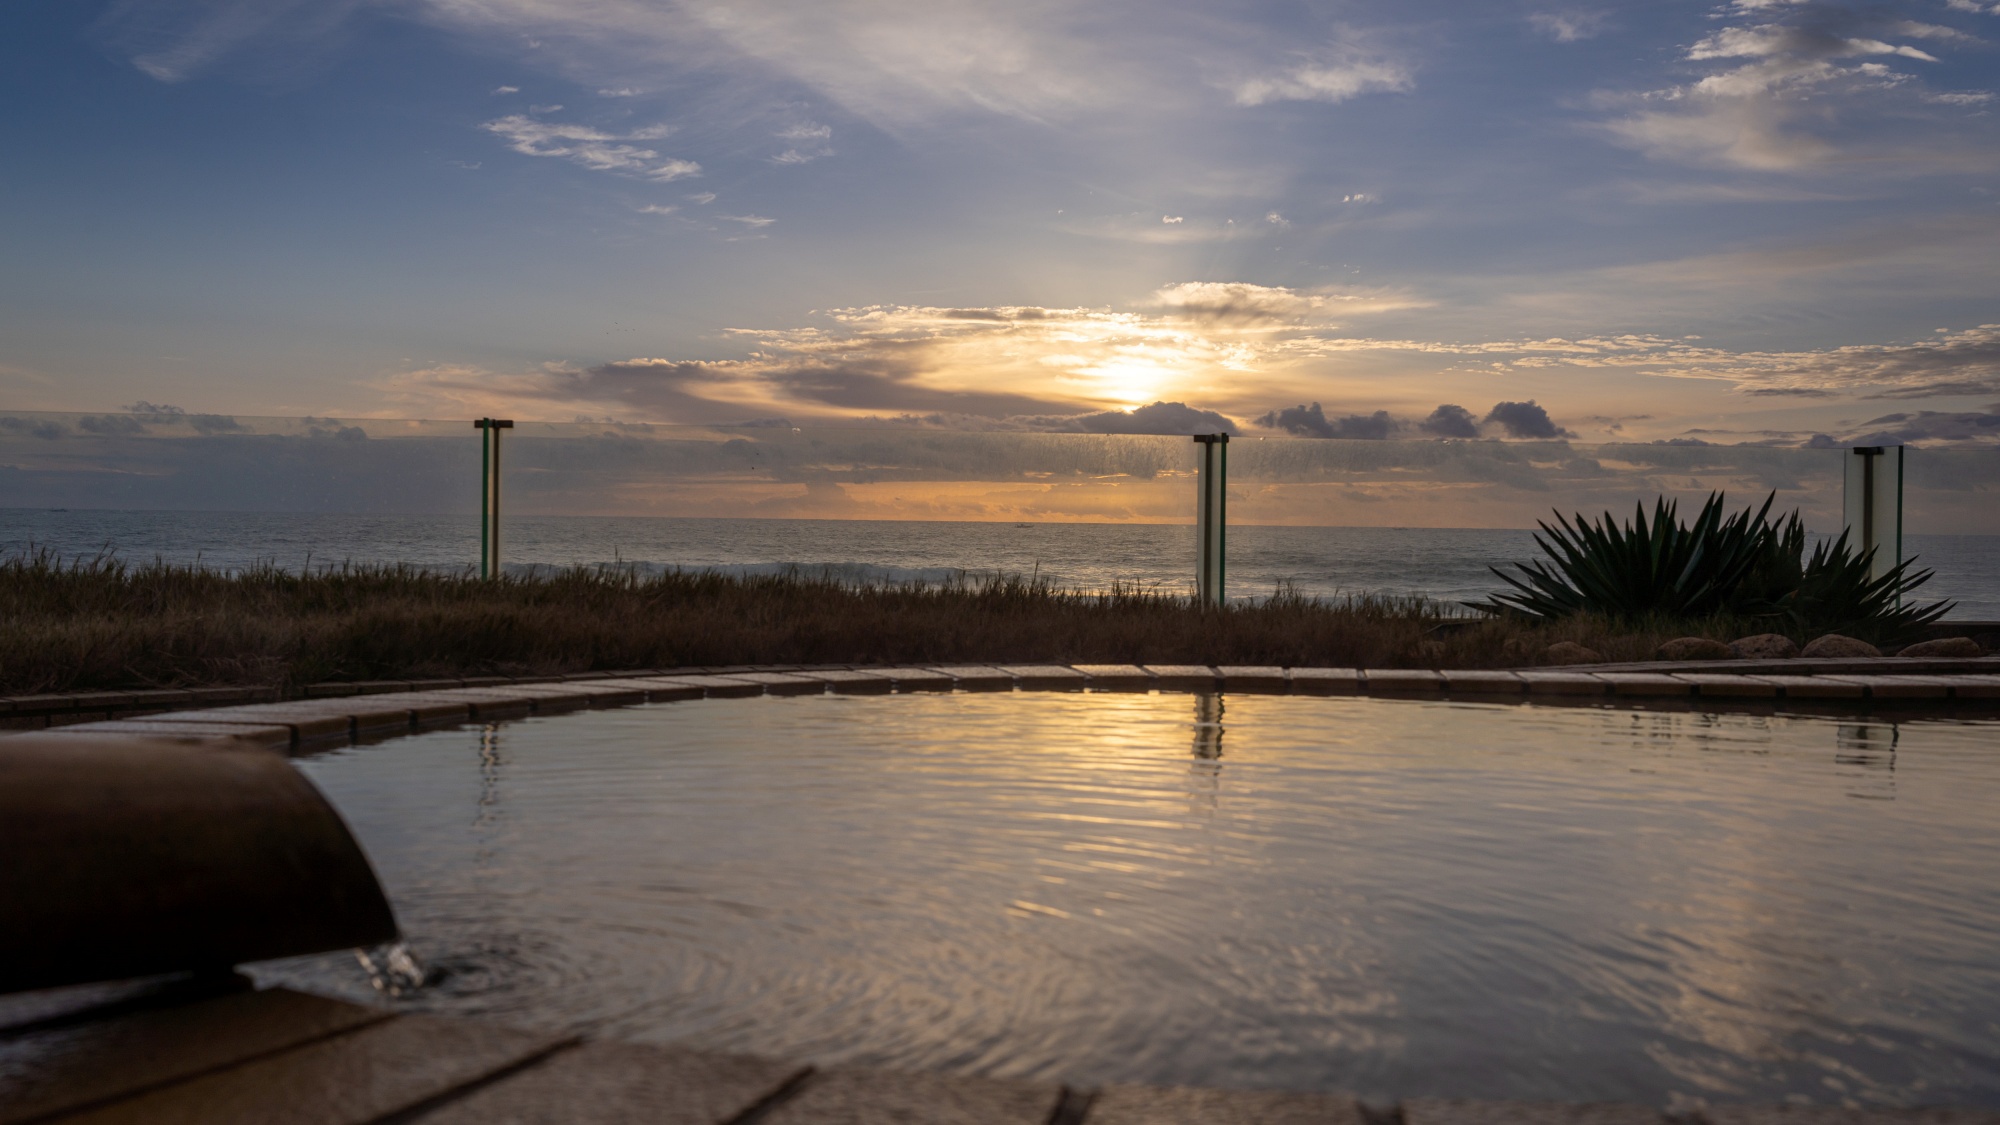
column 876, row 1097
column 1402, row 681
column 616, row 1083
column 918, row 679
column 1185, row 1105
column 1183, row 677
column 1834, row 1115
column 1326, row 681
column 1440, row 1111
column 1262, row 679
column 350, row 1079
column 67, row 1068
column 1116, row 677
column 976, row 677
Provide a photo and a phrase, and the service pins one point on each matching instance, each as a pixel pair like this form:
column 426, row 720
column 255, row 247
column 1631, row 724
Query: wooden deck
column 124, row 1055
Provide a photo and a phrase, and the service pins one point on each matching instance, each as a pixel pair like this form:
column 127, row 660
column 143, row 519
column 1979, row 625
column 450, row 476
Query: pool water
column 1393, row 898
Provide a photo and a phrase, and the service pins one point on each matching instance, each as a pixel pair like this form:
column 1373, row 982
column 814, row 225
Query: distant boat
column 1024, row 525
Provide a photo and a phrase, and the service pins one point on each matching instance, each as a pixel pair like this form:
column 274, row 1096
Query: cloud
column 1450, row 421
column 754, row 222
column 111, row 425
column 1337, row 78
column 1965, row 362
column 1158, row 418
column 1954, row 363
column 47, row 429
column 995, row 362
column 1242, row 303
column 1311, row 421
column 1980, row 427
column 1223, row 344
column 808, row 143
column 506, row 89
column 590, row 147
column 1526, row 420
column 1802, row 86
column 1568, row 27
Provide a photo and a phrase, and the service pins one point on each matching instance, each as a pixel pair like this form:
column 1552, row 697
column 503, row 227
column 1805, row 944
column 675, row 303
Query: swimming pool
column 1397, row 898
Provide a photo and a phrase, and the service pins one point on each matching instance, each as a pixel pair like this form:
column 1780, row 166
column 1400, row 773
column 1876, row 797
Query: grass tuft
column 99, row 623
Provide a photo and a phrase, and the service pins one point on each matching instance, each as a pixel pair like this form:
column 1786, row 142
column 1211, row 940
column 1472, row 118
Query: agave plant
column 1743, row 565
column 1836, row 594
column 1647, row 567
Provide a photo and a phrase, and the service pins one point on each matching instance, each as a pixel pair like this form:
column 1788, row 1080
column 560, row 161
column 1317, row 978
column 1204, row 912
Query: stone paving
column 278, row 1057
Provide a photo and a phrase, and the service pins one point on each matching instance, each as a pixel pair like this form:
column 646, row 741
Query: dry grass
column 100, row 624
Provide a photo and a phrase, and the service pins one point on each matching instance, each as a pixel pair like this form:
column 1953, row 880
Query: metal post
column 1211, row 518
column 1873, row 504
column 489, row 494
column 485, row 495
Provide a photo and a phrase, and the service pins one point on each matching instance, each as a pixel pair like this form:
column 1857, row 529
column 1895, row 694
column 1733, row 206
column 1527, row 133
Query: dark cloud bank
column 1514, row 419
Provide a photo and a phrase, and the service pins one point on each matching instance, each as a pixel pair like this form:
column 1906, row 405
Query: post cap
column 1212, row 439
column 493, row 424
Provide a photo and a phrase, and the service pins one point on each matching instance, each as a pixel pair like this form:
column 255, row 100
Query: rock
column 1694, row 648
column 1833, row 646
column 1569, row 652
column 1945, row 646
column 1765, row 646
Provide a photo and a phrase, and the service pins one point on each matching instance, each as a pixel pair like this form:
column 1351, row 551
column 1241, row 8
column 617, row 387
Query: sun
column 1129, row 381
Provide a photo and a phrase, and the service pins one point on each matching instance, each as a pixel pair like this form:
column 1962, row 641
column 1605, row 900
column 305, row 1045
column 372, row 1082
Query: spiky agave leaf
column 1837, row 594
column 1647, row 567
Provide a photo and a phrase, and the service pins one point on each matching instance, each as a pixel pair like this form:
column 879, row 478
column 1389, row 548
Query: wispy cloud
column 1241, row 303
column 1801, row 85
column 1333, row 76
column 1568, row 27
column 591, row 147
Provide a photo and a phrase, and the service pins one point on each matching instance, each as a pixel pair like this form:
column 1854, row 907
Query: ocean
column 1448, row 564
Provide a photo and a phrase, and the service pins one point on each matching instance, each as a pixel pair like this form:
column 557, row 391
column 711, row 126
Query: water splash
column 392, row 968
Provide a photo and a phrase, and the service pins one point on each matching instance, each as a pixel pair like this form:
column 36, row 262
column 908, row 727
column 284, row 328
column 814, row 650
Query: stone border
column 373, row 711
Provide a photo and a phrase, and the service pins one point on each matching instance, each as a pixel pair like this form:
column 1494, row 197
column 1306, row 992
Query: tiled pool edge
column 373, row 711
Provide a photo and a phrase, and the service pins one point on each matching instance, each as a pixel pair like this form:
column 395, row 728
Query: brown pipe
column 123, row 857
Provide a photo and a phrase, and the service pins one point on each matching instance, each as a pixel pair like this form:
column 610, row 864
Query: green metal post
column 485, row 493
column 1211, row 518
column 489, row 493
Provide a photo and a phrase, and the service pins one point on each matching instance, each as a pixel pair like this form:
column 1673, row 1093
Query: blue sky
column 1756, row 220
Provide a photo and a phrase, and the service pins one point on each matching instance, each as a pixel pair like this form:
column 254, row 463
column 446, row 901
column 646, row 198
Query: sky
column 1765, row 221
